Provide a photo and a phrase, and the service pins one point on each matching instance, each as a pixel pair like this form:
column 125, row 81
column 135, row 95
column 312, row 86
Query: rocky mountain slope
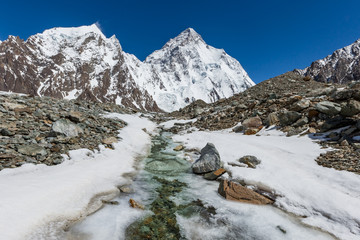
column 71, row 63
column 81, row 63
column 340, row 67
column 296, row 105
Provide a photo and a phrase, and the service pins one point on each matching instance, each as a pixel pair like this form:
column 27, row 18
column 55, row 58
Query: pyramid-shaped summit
column 187, row 69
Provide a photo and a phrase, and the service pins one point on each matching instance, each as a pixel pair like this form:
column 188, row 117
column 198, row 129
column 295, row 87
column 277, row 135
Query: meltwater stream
column 181, row 205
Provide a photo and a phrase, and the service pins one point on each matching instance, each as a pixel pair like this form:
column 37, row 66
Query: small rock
column 109, row 140
column 135, row 204
column 250, row 160
column 272, row 119
column 215, row 174
column 238, row 129
column 312, row 130
column 344, row 143
column 126, row 189
column 6, row 132
column 110, row 202
column 76, row 116
column 179, row 148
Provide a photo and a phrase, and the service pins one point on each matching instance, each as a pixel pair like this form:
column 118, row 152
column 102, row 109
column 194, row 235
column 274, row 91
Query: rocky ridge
column 341, row 66
column 296, row 105
column 39, row 130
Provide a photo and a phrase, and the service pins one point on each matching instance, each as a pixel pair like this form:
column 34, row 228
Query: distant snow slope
column 186, row 69
column 81, row 63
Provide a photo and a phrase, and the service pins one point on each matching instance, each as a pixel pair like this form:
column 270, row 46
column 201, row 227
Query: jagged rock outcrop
column 340, row 67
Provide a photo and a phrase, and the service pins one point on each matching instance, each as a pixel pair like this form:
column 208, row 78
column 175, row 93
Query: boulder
column 288, row 117
column 215, row 174
column 238, row 129
column 231, row 190
column 250, row 160
column 209, row 160
column 328, row 107
column 351, row 108
column 66, row 127
column 301, row 122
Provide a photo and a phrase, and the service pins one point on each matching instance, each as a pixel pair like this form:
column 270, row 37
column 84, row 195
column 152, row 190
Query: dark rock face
column 209, row 160
column 340, row 67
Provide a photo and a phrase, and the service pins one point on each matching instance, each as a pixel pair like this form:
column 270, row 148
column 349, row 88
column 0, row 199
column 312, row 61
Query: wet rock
column 126, row 189
column 67, row 128
column 209, row 160
column 215, row 174
column 250, row 160
column 251, row 131
column 32, row 150
column 231, row 190
column 179, row 148
column 135, row 204
column 328, row 107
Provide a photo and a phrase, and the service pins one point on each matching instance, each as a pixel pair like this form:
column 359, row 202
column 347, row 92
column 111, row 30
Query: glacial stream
column 180, row 205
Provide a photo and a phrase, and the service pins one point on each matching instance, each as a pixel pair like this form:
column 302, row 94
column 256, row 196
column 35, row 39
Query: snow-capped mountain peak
column 186, row 69
column 81, row 62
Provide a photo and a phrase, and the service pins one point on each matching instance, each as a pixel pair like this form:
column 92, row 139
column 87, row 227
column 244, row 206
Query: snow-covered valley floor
column 35, row 200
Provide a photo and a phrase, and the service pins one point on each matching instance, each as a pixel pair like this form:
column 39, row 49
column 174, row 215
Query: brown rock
column 25, row 109
column 109, row 140
column 135, row 204
column 252, row 131
column 215, row 174
column 76, row 116
column 313, row 113
column 253, row 122
column 312, row 130
column 179, row 148
column 234, row 191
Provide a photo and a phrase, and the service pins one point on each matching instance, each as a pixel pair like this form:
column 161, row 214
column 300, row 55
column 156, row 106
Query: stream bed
column 181, row 205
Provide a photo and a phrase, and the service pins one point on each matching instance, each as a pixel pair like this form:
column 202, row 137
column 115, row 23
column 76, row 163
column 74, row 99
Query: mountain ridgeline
column 82, row 63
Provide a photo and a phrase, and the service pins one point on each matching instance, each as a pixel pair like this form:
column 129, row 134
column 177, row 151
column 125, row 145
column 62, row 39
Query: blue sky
column 267, row 37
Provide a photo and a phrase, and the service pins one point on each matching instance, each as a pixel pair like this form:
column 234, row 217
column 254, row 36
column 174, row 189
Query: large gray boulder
column 328, row 107
column 209, row 160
